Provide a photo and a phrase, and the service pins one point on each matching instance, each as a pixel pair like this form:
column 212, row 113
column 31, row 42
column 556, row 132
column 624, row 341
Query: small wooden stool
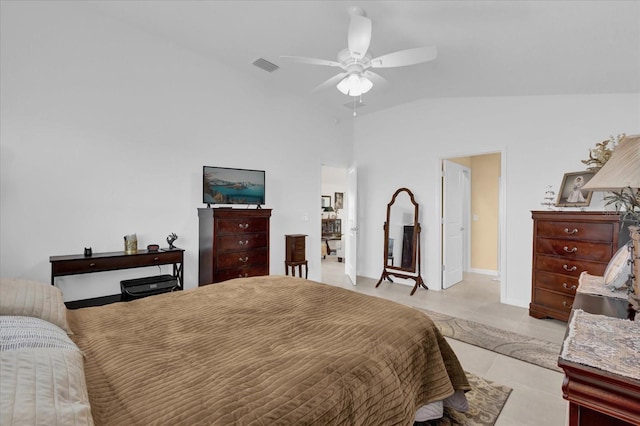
column 293, row 265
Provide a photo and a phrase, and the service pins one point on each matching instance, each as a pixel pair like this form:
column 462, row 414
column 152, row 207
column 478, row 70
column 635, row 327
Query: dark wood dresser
column 564, row 245
column 234, row 243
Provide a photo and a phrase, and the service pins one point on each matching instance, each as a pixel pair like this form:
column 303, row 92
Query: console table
column 76, row 264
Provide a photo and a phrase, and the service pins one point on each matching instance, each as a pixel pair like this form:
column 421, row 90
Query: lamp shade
column 365, row 84
column 622, row 170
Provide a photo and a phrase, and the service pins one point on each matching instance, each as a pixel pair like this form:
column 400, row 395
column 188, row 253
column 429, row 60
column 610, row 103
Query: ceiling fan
column 355, row 60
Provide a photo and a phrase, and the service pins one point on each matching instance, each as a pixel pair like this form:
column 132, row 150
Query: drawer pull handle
column 243, row 225
column 566, row 305
column 573, row 287
column 243, row 243
column 566, row 268
column 155, row 259
column 573, row 231
column 573, row 250
column 92, row 264
column 244, row 260
column 243, row 276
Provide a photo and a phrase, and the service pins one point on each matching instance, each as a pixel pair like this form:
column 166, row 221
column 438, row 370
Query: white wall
column 541, row 139
column 105, row 131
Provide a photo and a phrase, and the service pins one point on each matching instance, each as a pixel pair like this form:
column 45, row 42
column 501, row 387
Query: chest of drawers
column 234, row 243
column 564, row 245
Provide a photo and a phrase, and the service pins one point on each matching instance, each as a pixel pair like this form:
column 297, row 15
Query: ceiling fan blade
column 405, row 57
column 331, row 82
column 311, row 61
column 359, row 36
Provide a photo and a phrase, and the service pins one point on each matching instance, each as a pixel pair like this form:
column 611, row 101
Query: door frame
column 502, row 215
column 351, row 240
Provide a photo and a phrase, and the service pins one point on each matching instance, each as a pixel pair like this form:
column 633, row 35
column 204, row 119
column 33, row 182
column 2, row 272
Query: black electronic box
column 148, row 286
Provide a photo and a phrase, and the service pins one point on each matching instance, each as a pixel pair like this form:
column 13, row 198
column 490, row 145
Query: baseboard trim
column 490, row 272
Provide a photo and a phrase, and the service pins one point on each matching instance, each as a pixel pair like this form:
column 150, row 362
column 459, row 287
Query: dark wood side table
column 295, row 255
column 76, row 264
column 597, row 391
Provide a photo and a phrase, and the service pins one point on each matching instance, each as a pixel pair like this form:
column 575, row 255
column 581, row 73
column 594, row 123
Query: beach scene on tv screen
column 233, row 186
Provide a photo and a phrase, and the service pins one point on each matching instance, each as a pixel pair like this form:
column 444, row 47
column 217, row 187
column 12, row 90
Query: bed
column 256, row 351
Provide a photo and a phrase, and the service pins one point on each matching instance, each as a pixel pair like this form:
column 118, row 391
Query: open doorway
column 333, row 223
column 471, row 217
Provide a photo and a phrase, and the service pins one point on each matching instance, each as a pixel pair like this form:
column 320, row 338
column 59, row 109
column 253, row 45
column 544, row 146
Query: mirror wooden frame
column 414, row 267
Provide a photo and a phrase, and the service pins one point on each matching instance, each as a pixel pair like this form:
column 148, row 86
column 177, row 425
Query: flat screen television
column 223, row 185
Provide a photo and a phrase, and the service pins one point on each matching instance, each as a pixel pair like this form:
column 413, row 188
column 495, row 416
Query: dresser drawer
column 298, row 254
column 239, row 259
column 558, row 265
column 576, row 230
column 556, row 282
column 249, row 271
column 241, row 225
column 241, row 242
column 553, row 300
column 575, row 249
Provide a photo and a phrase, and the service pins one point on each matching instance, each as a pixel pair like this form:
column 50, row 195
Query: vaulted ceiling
column 485, row 48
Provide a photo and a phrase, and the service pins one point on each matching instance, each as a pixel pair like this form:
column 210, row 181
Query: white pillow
column 33, row 299
column 43, row 387
column 17, row 332
column 42, row 375
column 618, row 269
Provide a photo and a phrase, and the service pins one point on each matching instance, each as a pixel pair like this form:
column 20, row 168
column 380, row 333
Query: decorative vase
column 130, row 244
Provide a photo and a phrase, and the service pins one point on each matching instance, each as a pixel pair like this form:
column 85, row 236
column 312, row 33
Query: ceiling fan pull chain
column 354, row 106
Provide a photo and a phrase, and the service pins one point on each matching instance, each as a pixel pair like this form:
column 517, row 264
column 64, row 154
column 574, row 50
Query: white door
column 351, row 242
column 453, row 222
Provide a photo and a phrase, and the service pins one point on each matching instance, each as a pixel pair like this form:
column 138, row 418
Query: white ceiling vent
column 265, row 65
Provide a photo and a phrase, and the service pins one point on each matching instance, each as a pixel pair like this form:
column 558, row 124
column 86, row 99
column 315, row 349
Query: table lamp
column 621, row 174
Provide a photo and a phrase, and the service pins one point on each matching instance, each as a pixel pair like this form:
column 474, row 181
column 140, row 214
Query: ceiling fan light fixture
column 344, row 85
column 365, row 84
column 354, row 85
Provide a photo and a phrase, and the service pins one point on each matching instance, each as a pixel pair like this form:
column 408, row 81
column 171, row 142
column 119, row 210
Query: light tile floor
column 537, row 395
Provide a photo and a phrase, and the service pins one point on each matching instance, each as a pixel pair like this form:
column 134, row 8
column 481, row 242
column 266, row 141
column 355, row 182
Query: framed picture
column 571, row 193
column 339, row 196
column 326, row 201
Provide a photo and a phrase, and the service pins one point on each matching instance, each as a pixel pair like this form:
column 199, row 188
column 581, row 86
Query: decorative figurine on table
column 549, row 198
column 170, row 239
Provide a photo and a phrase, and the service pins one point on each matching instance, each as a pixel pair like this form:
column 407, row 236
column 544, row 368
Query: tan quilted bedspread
column 262, row 351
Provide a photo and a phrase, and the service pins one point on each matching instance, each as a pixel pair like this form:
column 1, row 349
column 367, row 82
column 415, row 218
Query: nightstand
column 295, row 254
